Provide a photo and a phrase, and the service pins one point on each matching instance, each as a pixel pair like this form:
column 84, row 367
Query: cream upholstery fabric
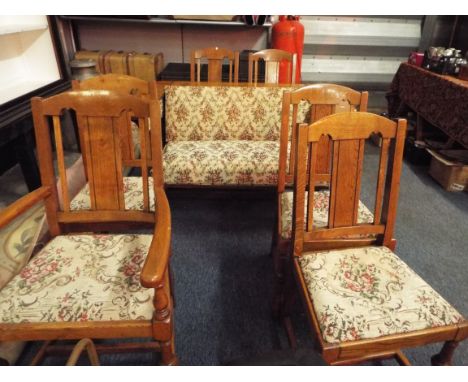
column 195, row 113
column 221, row 162
column 18, row 240
column 81, row 278
column 368, row 293
column 133, row 195
column 321, row 203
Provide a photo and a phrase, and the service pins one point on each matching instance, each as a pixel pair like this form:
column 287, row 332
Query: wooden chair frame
column 215, row 57
column 325, row 99
column 101, row 113
column 273, row 59
column 348, row 132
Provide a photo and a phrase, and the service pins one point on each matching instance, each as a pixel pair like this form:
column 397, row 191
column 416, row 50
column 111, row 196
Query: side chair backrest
column 274, row 59
column 348, row 133
column 101, row 115
column 215, row 57
column 324, row 100
column 122, row 84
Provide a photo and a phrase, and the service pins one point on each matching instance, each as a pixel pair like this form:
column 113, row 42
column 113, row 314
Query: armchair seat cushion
column 369, row 292
column 133, row 195
column 81, row 278
column 233, row 162
column 321, row 205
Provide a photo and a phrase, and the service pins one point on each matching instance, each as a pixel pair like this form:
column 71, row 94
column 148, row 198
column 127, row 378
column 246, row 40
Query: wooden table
column 441, row 100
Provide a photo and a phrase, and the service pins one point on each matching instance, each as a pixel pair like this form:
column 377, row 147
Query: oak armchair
column 84, row 283
column 363, row 301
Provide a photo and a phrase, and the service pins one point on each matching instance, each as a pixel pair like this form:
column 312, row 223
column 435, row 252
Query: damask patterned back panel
column 199, row 113
column 17, row 242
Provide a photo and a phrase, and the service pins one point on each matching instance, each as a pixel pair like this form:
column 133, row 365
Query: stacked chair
column 87, row 280
column 364, row 303
column 324, row 99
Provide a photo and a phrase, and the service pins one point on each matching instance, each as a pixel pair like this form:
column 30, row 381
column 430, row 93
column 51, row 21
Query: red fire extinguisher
column 288, row 35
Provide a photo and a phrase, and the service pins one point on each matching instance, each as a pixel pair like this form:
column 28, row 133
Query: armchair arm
column 23, row 204
column 152, row 274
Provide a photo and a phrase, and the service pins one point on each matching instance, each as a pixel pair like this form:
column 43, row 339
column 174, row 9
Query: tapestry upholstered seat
column 321, row 205
column 133, row 195
column 235, row 162
column 81, row 278
column 369, row 292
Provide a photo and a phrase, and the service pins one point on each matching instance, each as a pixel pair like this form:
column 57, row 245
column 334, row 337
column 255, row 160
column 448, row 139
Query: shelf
column 18, row 28
column 156, row 20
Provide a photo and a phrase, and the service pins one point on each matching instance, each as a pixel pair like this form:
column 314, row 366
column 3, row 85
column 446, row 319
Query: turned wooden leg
column 444, row 357
column 168, row 357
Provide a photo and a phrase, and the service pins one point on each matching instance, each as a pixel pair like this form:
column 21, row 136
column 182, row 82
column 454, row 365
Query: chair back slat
column 101, row 116
column 86, row 151
column 348, row 133
column 383, row 162
column 61, row 162
column 312, row 169
column 324, row 100
column 144, row 161
column 102, row 147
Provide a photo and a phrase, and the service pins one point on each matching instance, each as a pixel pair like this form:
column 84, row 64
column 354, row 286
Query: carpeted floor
column 223, row 272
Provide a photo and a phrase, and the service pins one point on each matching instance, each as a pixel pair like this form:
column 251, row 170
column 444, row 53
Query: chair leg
column 288, row 300
column 444, row 357
column 168, row 355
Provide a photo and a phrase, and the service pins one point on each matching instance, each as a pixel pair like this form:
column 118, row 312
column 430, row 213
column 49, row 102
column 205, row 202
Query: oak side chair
column 363, row 301
column 324, row 99
column 273, row 59
column 215, row 57
column 84, row 283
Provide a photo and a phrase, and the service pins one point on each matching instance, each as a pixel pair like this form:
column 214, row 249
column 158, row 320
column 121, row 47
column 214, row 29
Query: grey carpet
column 223, row 272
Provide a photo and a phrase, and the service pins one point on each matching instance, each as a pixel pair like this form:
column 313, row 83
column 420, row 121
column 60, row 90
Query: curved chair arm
column 157, row 261
column 23, row 204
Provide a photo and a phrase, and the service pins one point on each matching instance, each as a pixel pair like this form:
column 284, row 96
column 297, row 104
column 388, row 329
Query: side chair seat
column 81, row 277
column 133, row 195
column 369, row 292
column 321, row 205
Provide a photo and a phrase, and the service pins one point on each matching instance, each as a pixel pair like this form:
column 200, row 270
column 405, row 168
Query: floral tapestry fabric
column 195, row 113
column 369, row 292
column 133, row 195
column 221, row 163
column 321, row 205
column 18, row 240
column 81, row 278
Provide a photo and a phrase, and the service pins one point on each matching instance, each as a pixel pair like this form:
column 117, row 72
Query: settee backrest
column 196, row 113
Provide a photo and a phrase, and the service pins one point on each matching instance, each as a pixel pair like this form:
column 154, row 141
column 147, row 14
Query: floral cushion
column 321, row 203
column 81, row 278
column 221, row 163
column 133, row 195
column 369, row 292
column 196, row 113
